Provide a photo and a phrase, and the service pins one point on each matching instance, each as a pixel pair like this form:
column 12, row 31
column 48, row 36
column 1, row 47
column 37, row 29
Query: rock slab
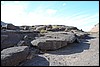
column 14, row 55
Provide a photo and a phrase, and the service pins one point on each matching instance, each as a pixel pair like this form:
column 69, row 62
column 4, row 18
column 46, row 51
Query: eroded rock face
column 14, row 55
column 12, row 38
column 29, row 42
column 9, row 40
column 53, row 41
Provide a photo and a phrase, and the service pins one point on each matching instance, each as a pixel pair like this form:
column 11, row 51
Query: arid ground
column 85, row 53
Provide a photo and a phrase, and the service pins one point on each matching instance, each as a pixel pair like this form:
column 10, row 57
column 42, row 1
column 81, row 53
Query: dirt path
column 85, row 53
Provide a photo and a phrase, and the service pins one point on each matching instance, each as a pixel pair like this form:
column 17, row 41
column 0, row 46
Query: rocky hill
column 47, row 45
column 95, row 28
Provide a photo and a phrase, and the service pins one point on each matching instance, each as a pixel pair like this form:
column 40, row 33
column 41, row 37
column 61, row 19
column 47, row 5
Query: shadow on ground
column 89, row 37
column 73, row 48
column 36, row 61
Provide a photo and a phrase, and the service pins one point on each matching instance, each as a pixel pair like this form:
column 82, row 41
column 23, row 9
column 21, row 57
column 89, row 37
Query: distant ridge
column 3, row 23
column 95, row 28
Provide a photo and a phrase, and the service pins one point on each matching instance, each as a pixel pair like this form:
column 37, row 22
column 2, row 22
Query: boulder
column 9, row 40
column 24, row 27
column 54, row 41
column 49, row 29
column 54, row 29
column 41, row 28
column 66, row 36
column 14, row 55
column 81, row 35
column 32, row 28
column 11, row 27
column 48, row 44
column 48, row 26
column 62, row 29
column 69, row 28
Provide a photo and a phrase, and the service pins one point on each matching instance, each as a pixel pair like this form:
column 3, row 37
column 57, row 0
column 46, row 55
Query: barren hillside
column 95, row 28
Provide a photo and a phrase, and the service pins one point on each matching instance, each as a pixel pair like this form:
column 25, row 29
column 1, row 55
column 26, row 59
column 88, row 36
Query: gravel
column 85, row 53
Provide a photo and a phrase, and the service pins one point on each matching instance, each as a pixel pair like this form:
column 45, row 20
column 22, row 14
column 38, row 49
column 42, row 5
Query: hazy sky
column 82, row 14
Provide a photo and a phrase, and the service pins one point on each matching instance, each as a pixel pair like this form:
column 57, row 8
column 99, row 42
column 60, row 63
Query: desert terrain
column 86, row 53
column 49, row 45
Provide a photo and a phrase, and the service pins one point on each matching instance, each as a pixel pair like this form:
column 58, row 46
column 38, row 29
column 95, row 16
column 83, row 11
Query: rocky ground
column 48, row 45
column 85, row 53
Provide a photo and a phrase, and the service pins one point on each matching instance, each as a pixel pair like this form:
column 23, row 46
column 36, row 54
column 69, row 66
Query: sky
column 81, row 14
